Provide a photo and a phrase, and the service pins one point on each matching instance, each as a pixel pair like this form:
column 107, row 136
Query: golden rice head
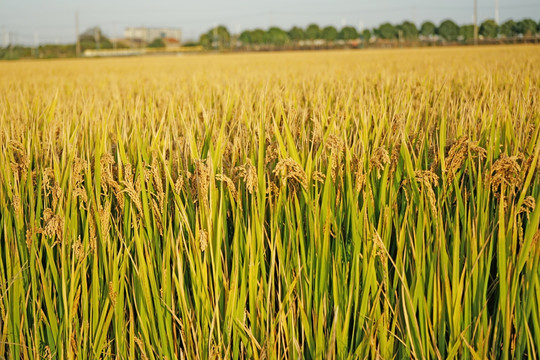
column 290, row 172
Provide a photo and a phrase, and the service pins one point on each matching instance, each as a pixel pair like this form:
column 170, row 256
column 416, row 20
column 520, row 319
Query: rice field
column 347, row 205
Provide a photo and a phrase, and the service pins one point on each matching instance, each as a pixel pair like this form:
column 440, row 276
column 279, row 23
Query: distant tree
column 387, row 31
column 245, row 37
column 277, row 36
column 16, row 52
column 205, row 41
column 296, row 34
column 428, row 29
column 366, row 35
column 313, row 32
column 258, row 37
column 190, row 43
column 466, row 32
column 94, row 38
column 489, row 29
column 348, row 33
column 219, row 37
column 408, row 30
column 157, row 43
column 329, row 33
column 527, row 27
column 508, row 29
column 125, row 44
column 448, row 30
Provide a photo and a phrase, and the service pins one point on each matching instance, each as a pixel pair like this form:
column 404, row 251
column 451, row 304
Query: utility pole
column 10, row 44
column 215, row 35
column 236, row 36
column 115, row 38
column 497, row 11
column 78, row 46
column 475, row 20
column 36, row 43
column 97, row 37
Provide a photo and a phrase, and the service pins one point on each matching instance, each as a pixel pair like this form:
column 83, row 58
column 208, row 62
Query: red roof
column 171, row 40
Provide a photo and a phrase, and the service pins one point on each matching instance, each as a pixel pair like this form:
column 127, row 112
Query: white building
column 149, row 34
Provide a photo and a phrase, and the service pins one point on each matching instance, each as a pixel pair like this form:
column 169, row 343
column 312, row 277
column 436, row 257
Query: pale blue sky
column 54, row 20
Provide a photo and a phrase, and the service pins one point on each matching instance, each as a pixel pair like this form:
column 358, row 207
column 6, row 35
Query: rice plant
column 374, row 204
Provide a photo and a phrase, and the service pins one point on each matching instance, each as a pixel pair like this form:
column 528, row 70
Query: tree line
column 447, row 31
column 313, row 36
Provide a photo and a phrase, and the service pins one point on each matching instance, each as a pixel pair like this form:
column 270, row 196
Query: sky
column 53, row 21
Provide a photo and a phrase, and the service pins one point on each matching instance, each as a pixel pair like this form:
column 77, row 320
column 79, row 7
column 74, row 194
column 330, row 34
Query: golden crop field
column 353, row 204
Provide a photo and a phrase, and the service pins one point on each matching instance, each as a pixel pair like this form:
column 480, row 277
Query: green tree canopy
column 448, row 30
column 205, row 42
column 93, row 38
column 313, row 32
column 277, row 36
column 296, row 34
column 219, row 37
column 258, row 36
column 245, row 37
column 467, row 32
column 329, row 33
column 348, row 33
column 428, row 29
column 157, row 43
column 366, row 35
column 489, row 29
column 508, row 29
column 409, row 30
column 526, row 27
column 387, row 31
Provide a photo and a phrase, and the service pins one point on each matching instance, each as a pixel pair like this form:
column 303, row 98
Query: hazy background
column 54, row 20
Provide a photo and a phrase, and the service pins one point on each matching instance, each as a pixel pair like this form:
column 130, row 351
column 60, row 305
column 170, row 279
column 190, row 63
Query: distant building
column 149, row 34
column 171, row 42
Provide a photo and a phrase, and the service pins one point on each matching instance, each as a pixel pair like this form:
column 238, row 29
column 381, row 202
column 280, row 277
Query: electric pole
column 215, row 35
column 36, row 43
column 78, row 46
column 97, row 37
column 475, row 20
column 236, row 36
column 497, row 11
column 10, row 45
